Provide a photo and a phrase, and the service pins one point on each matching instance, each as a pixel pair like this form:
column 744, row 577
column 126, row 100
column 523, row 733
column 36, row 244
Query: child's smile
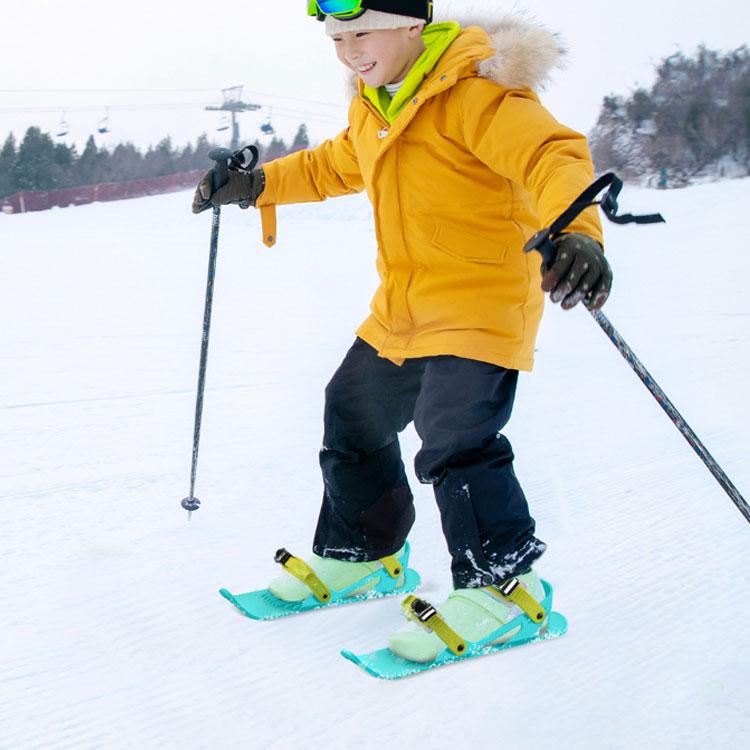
column 382, row 56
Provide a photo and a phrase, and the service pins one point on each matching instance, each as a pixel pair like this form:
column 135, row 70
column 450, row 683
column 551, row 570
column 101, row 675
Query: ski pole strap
column 424, row 614
column 608, row 204
column 392, row 565
column 303, row 572
column 512, row 591
column 543, row 240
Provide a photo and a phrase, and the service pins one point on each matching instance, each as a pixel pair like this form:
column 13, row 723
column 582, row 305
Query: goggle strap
column 418, row 9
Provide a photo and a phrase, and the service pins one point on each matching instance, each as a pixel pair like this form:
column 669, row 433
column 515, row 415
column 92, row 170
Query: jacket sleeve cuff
column 267, row 196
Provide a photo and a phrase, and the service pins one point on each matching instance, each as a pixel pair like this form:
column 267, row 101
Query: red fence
column 41, row 200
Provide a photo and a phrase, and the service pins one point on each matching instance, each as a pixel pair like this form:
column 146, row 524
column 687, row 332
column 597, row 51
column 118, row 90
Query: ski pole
column 543, row 242
column 672, row 413
column 221, row 157
column 224, row 161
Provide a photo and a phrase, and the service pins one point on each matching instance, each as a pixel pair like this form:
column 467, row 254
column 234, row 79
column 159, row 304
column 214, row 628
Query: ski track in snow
column 113, row 632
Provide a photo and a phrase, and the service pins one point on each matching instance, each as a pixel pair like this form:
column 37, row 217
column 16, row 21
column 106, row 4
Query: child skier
column 462, row 165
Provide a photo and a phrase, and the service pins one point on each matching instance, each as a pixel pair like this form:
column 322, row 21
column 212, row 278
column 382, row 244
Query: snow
column 113, row 631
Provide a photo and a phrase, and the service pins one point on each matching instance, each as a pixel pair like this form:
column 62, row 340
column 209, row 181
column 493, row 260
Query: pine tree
column 7, row 161
column 65, row 159
column 301, row 139
column 41, row 164
column 87, row 164
column 199, row 157
column 34, row 168
column 202, row 147
column 160, row 160
column 185, row 159
column 276, row 149
column 126, row 163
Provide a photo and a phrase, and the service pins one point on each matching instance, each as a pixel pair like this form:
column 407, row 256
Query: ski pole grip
column 543, row 244
column 221, row 168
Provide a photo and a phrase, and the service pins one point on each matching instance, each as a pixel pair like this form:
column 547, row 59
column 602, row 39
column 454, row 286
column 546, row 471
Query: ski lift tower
column 233, row 104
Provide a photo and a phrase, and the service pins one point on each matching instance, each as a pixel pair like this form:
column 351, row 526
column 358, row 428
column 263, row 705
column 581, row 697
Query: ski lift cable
column 283, row 112
column 135, row 107
column 266, row 95
column 98, row 107
column 108, row 91
column 263, row 94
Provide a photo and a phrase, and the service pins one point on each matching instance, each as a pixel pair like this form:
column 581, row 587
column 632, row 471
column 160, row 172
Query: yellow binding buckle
column 392, row 565
column 303, row 572
column 424, row 614
column 517, row 594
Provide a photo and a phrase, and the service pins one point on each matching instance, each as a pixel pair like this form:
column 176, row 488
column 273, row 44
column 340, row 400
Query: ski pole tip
column 190, row 504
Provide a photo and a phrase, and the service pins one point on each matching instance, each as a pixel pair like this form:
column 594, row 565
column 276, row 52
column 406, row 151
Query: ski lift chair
column 103, row 125
column 266, row 128
column 63, row 128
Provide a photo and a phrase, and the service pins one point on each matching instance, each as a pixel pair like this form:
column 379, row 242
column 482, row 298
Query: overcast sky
column 82, row 51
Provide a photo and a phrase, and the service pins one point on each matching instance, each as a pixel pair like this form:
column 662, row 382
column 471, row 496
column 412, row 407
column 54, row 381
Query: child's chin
column 373, row 81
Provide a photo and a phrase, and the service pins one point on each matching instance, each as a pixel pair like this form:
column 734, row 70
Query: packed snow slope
column 113, row 631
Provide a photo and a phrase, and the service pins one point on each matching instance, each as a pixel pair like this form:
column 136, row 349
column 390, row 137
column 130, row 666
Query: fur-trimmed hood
column 525, row 52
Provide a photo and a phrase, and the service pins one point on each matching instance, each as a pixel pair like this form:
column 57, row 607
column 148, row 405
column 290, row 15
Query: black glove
column 241, row 187
column 580, row 272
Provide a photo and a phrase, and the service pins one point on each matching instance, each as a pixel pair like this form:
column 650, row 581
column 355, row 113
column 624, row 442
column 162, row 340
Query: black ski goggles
column 348, row 10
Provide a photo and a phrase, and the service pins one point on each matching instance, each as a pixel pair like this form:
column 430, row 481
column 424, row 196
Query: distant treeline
column 39, row 163
column 694, row 122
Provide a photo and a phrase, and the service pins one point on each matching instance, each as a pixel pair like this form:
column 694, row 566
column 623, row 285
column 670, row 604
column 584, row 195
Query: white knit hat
column 371, row 20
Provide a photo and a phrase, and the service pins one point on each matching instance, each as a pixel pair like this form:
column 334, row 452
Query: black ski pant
column 459, row 407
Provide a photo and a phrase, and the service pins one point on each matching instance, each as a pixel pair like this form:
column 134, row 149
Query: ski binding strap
column 303, row 572
column 543, row 241
column 517, row 594
column 424, row 614
column 392, row 565
column 519, row 631
column 393, row 577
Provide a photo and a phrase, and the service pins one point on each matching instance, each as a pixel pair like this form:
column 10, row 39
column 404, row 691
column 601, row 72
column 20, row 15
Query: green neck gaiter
column 437, row 38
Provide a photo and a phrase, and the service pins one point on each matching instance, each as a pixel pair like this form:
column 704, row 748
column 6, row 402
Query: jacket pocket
column 467, row 246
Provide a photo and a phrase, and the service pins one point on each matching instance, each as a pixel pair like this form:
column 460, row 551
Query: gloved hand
column 580, row 272
column 241, row 187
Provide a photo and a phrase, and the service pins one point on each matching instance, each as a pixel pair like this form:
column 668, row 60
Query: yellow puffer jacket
column 471, row 169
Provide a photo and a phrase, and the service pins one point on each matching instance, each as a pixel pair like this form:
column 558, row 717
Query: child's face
column 380, row 57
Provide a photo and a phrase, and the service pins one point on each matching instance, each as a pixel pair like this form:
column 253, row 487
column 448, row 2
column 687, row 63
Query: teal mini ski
column 384, row 664
column 263, row 605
